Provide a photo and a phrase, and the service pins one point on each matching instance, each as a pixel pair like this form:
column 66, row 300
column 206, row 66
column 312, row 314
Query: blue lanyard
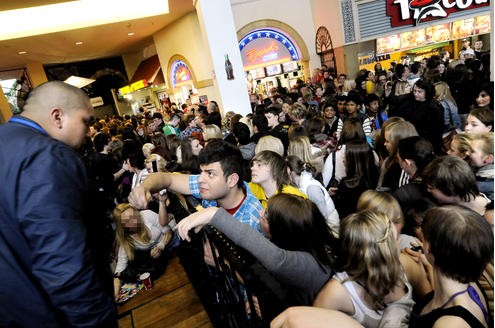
column 473, row 294
column 26, row 122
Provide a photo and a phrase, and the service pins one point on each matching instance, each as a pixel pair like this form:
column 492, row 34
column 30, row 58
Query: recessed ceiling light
column 22, row 52
column 130, row 33
column 78, row 43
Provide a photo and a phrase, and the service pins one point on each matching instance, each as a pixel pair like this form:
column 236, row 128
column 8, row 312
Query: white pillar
column 217, row 25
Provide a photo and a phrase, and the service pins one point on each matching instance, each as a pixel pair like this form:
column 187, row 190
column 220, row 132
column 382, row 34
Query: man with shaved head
column 46, row 269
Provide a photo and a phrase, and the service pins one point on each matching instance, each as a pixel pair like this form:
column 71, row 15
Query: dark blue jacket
column 46, row 273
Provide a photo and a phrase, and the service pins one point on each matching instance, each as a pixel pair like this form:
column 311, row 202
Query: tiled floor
column 172, row 303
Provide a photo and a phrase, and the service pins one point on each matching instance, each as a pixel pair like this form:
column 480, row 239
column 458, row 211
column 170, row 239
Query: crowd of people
column 370, row 199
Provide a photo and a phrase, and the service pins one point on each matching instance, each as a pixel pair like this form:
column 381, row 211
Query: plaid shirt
column 189, row 131
column 248, row 213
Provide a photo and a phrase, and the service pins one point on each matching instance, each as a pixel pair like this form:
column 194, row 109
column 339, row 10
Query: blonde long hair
column 400, row 88
column 300, row 147
column 369, row 254
column 382, row 202
column 442, row 91
column 124, row 239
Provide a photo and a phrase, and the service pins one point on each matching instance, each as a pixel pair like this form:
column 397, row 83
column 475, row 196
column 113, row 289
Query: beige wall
column 295, row 13
column 180, row 40
column 184, row 39
column 327, row 13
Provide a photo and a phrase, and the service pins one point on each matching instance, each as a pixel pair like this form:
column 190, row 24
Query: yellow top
column 370, row 87
column 259, row 193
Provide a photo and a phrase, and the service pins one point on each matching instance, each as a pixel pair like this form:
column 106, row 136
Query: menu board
column 290, row 66
column 413, row 39
column 273, row 70
column 258, row 73
column 482, row 24
column 462, row 28
column 388, row 44
column 438, row 33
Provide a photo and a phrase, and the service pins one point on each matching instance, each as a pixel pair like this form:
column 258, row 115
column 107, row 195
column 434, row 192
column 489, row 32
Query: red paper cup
column 145, row 278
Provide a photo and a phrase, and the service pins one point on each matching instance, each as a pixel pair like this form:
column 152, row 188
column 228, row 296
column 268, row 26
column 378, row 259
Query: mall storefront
column 422, row 43
column 271, row 58
column 394, row 30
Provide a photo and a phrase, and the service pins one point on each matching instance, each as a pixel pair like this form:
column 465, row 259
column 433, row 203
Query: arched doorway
column 273, row 55
column 324, row 48
column 181, row 80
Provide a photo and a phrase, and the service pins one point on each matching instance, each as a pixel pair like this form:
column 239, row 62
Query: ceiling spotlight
column 130, row 33
column 78, row 43
column 22, row 52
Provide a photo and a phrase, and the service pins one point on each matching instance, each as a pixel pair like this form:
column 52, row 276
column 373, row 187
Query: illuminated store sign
column 433, row 34
column 133, row 87
column 265, row 47
column 179, row 73
column 413, row 12
column 265, row 54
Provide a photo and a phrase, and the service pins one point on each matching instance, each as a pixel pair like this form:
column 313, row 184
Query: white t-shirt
column 151, row 220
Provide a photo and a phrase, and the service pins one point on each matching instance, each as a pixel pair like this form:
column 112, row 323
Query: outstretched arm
column 296, row 268
column 141, row 195
column 195, row 221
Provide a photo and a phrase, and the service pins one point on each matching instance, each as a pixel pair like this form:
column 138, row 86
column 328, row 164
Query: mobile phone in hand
column 416, row 248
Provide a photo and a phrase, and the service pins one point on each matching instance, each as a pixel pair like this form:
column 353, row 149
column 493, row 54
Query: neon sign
column 133, row 87
column 263, row 47
column 253, row 54
column 179, row 73
column 400, row 11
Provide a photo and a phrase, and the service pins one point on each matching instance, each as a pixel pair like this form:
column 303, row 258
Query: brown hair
column 277, row 166
column 484, row 114
column 297, row 224
column 460, row 240
column 452, row 176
